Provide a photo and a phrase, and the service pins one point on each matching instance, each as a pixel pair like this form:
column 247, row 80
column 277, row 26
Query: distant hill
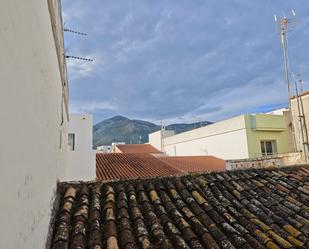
column 122, row 129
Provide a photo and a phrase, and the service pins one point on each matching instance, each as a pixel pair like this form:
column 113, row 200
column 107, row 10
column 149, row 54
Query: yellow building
column 241, row 137
column 267, row 134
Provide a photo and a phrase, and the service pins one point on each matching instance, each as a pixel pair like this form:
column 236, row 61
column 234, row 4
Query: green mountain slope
column 122, row 129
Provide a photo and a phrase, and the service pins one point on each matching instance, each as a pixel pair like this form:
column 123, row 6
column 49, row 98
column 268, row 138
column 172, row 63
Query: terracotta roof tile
column 129, row 166
column 217, row 210
column 195, row 163
column 137, row 148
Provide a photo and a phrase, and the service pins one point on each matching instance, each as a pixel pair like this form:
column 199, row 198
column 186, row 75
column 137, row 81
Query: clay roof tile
column 200, row 211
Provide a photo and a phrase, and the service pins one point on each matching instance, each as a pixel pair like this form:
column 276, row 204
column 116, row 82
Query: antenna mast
column 284, row 24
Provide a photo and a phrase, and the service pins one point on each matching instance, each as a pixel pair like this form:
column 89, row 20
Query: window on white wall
column 269, row 147
column 71, row 141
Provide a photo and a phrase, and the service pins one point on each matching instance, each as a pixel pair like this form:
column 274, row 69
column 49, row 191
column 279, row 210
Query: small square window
column 71, row 141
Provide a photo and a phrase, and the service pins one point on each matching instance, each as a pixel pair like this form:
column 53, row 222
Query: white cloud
column 91, row 106
column 245, row 99
column 79, row 68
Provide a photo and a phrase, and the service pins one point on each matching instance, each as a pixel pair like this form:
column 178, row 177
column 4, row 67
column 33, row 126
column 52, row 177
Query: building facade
column 34, row 116
column 157, row 138
column 245, row 136
column 81, row 157
column 300, row 117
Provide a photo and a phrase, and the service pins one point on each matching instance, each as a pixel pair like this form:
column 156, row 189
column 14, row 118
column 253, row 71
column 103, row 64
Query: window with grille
column 268, row 147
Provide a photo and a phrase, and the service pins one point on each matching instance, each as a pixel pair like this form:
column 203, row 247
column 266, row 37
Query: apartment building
column 244, row 136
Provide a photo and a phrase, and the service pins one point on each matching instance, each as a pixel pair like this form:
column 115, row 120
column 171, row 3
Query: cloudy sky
column 181, row 61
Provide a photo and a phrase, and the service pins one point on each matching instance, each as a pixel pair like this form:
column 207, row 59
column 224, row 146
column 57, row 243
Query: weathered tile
column 241, row 209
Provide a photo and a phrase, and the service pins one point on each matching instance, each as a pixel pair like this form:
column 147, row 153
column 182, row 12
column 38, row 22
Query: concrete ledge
column 280, row 160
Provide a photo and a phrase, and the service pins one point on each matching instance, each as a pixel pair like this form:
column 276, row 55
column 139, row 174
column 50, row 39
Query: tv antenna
column 73, row 56
column 285, row 24
column 77, row 58
column 74, row 32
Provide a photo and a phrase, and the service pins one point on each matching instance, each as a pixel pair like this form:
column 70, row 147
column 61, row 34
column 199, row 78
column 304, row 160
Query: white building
column 81, row 158
column 34, row 153
column 34, row 115
column 104, row 148
column 245, row 136
column 156, row 139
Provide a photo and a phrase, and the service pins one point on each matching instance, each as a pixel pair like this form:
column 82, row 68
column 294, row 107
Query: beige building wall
column 303, row 104
column 287, row 115
column 116, row 150
column 155, row 139
column 81, row 158
column 33, row 145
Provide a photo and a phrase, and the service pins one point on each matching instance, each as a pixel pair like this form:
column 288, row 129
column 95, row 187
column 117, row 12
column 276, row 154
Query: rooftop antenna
column 78, row 58
column 76, row 33
column 285, row 24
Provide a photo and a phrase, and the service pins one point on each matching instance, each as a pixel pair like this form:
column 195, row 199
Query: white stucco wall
column 155, row 138
column 226, row 139
column 81, row 161
column 32, row 149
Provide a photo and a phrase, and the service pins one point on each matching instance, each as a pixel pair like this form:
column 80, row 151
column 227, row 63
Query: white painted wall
column 235, row 138
column 81, row 161
column 32, row 149
column 226, row 139
column 155, row 138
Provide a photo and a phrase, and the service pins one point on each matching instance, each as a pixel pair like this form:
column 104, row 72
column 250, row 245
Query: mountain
column 122, row 129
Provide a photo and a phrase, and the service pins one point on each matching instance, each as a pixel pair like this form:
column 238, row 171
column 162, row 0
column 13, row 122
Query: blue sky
column 181, row 61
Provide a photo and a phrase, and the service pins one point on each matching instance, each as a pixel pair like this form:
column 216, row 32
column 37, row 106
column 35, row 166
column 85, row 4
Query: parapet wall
column 280, row 160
